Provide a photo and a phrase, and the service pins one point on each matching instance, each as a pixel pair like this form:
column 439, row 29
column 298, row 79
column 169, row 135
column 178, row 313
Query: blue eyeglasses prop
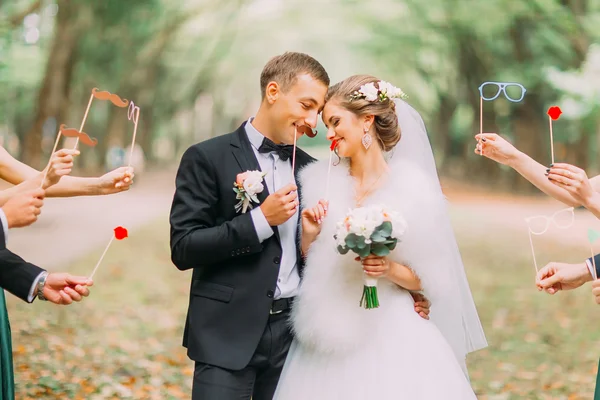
column 502, row 89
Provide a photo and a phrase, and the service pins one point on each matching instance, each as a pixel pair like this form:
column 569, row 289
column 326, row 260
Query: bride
column 340, row 350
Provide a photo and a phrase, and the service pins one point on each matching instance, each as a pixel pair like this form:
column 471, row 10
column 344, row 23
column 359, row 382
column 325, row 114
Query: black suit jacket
column 234, row 275
column 16, row 274
column 597, row 261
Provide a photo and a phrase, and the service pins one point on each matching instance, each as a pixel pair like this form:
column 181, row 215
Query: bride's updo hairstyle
column 367, row 95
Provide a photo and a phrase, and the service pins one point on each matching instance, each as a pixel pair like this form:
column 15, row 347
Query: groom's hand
column 422, row 304
column 281, row 205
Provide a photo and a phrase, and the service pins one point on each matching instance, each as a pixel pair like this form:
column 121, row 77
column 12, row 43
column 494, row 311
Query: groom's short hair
column 285, row 68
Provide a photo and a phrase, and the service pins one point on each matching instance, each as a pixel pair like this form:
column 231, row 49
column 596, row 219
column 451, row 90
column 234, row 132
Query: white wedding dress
column 343, row 351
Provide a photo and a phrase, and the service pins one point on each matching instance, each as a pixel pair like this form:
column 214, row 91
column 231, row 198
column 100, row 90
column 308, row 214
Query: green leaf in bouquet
column 351, row 240
column 342, row 249
column 377, row 237
column 380, row 250
column 392, row 244
column 360, row 242
column 364, row 252
column 385, row 229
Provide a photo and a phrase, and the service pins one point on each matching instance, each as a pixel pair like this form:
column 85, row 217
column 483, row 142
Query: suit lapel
column 246, row 159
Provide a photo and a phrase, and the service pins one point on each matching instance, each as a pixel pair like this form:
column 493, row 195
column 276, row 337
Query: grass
column 124, row 341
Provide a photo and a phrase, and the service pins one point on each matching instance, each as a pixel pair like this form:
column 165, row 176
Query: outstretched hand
column 61, row 164
column 63, row 288
column 115, row 181
column 495, row 148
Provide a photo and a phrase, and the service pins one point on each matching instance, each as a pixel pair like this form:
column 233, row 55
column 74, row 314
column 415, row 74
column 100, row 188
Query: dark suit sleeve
column 16, row 275
column 196, row 237
column 597, row 261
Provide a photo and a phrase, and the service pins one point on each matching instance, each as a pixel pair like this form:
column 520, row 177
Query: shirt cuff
column 33, row 286
column 590, row 268
column 4, row 226
column 261, row 225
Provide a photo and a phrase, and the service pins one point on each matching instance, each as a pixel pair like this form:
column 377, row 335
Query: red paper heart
column 554, row 112
column 333, row 144
column 120, row 233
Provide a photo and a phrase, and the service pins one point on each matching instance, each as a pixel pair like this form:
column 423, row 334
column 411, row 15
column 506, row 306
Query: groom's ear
column 272, row 92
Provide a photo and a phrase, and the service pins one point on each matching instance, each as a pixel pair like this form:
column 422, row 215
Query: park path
column 69, row 228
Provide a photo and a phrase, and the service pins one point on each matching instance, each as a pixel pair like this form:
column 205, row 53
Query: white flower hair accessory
column 383, row 91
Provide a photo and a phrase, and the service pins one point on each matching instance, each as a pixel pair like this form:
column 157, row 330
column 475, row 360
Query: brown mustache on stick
column 83, row 137
column 115, row 99
column 306, row 130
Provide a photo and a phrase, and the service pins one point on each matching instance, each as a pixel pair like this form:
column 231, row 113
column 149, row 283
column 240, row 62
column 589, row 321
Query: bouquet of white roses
column 370, row 230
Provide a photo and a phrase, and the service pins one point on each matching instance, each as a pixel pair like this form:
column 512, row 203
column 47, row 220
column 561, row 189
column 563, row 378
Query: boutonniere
column 247, row 185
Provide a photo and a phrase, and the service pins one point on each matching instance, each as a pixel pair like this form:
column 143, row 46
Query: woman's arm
column 13, row 170
column 57, row 182
column 401, row 275
column 498, row 149
column 404, row 277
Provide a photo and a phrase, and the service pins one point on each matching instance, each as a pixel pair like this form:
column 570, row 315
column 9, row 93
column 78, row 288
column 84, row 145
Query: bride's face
column 345, row 128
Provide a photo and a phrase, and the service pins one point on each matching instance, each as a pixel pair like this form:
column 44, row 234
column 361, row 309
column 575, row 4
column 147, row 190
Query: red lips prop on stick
column 554, row 113
column 120, row 233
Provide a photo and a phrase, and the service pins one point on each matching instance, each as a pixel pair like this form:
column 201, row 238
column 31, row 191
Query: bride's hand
column 313, row 217
column 496, row 148
column 375, row 266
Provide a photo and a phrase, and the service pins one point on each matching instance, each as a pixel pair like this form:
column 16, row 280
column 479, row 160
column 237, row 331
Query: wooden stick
column 135, row 125
column 328, row 175
column 481, row 124
column 102, row 257
column 533, row 251
column 551, row 139
column 48, row 166
column 84, row 118
column 294, row 152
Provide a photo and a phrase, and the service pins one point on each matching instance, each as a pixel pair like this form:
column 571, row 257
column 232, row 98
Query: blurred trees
column 193, row 67
column 443, row 51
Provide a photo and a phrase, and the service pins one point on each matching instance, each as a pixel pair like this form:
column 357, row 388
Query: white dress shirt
column 5, row 228
column 278, row 174
column 590, row 268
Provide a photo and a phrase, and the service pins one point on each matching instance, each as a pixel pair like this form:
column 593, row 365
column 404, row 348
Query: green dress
column 597, row 391
column 7, row 379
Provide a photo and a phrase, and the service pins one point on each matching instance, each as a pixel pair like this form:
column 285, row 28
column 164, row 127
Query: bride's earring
column 367, row 140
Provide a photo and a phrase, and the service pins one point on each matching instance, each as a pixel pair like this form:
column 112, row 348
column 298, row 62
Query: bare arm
column 27, row 178
column 535, row 173
column 500, row 150
column 404, row 277
column 378, row 267
column 13, row 170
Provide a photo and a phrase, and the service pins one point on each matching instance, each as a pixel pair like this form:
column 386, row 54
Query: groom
column 246, row 265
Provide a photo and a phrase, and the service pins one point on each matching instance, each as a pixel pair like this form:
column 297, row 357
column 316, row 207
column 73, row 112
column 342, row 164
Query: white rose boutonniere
column 246, row 186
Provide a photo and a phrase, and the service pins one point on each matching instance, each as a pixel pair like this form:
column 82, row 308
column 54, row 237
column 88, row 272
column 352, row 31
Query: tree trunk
column 53, row 96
